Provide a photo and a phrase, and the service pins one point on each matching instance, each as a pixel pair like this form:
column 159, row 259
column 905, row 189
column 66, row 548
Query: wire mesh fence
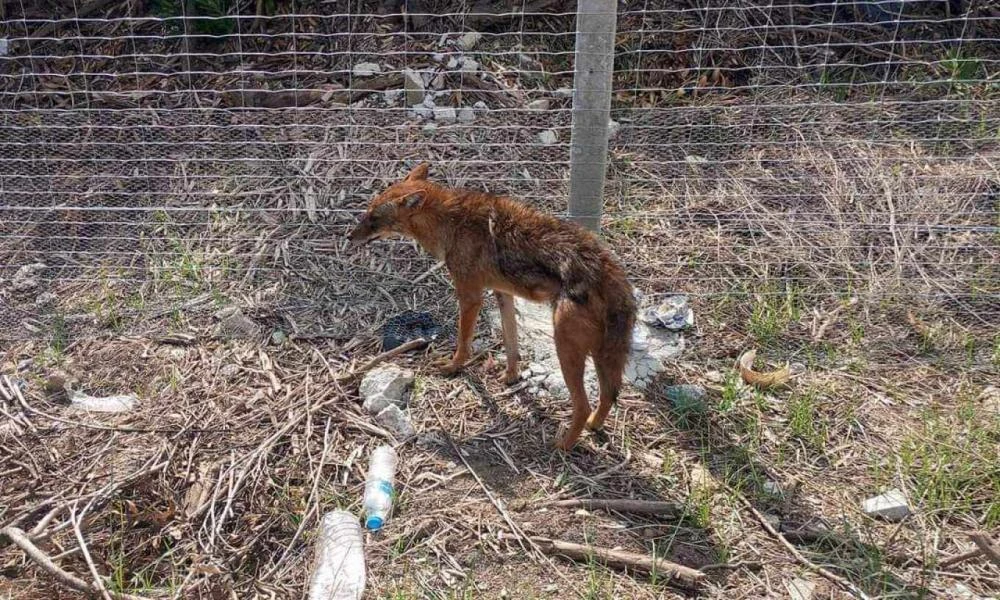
column 776, row 161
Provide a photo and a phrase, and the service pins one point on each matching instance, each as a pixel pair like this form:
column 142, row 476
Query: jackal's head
column 390, row 211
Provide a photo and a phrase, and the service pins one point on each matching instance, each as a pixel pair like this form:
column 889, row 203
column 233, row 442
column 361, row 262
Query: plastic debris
column 339, row 569
column 408, row 326
column 106, row 404
column 378, row 487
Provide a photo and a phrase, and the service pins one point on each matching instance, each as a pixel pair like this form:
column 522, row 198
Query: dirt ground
column 156, row 239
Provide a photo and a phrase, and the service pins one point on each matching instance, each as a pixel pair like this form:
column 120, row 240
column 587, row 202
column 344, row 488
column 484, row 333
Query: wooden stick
column 20, row 539
column 679, row 575
column 639, row 507
column 371, row 364
column 986, row 546
column 827, row 573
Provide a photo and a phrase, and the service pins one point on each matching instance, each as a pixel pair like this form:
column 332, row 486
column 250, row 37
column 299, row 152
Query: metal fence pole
column 595, row 57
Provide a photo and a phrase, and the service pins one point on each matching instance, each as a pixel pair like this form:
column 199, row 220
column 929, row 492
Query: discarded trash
column 339, row 569
column 408, row 326
column 674, row 314
column 378, row 487
column 763, row 379
column 891, row 506
column 107, row 404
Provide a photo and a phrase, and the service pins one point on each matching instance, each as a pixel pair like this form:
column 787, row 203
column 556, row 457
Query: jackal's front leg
column 469, row 302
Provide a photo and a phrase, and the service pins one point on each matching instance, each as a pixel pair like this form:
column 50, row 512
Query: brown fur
column 492, row 242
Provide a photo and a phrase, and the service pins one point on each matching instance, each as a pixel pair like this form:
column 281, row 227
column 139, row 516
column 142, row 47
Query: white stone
column 540, row 104
column 891, row 505
column 366, row 69
column 437, row 81
column 469, row 65
column 414, row 85
column 452, row 63
column 772, row 487
column 422, row 111
column 445, row 114
column 466, row 114
column 383, row 386
column 563, row 92
column 481, row 106
column 537, row 369
column 548, row 137
column 437, row 57
column 429, row 101
column 107, row 404
column 469, row 40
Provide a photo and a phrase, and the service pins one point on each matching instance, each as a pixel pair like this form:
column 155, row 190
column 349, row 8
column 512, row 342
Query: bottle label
column 385, row 487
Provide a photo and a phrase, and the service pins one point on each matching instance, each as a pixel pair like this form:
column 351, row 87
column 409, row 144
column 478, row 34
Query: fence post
column 595, row 59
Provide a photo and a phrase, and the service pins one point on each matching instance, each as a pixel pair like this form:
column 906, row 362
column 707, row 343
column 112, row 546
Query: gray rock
column 229, row 370
column 26, row 277
column 437, row 81
column 481, row 106
column 548, row 137
column 430, row 127
column 891, row 506
column 45, row 298
column 422, row 111
column 469, row 65
column 563, row 93
column 391, row 97
column 437, row 57
column 540, row 104
column 800, row 589
column 383, row 386
column 469, row 40
column 445, row 114
column 366, row 69
column 414, row 86
column 395, row 420
column 466, row 115
column 278, row 337
column 453, row 63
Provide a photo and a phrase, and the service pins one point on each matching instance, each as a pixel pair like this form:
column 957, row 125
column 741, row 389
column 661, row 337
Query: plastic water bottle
column 339, row 572
column 378, row 487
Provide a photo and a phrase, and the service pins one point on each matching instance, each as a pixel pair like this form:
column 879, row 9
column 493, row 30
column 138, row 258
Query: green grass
column 772, row 313
column 804, row 423
column 953, row 462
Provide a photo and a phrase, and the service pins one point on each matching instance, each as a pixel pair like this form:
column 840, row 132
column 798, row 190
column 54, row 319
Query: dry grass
column 874, row 263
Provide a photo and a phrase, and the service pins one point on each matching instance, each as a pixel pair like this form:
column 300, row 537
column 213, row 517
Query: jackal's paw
column 565, row 444
column 449, row 368
column 593, row 424
column 510, row 378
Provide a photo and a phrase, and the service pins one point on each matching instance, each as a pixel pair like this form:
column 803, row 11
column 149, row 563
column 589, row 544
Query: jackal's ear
column 411, row 200
column 419, row 173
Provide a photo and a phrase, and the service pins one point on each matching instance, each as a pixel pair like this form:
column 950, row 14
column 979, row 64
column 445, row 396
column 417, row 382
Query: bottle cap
column 374, row 523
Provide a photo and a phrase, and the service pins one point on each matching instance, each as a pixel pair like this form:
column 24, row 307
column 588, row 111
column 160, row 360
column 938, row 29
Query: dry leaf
column 760, row 379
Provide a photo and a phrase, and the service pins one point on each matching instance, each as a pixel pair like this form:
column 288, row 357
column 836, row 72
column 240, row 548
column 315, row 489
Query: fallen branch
column 678, row 575
column 986, row 546
column 639, row 507
column 20, row 539
column 374, row 362
column 983, row 546
column 822, row 571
